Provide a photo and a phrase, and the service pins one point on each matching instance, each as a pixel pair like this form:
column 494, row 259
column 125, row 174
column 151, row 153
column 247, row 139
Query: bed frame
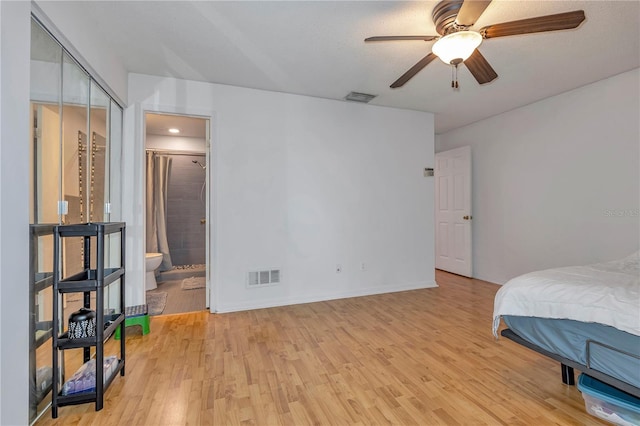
column 568, row 365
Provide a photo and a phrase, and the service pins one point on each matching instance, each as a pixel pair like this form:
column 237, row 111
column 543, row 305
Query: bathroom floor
column 179, row 300
column 182, row 271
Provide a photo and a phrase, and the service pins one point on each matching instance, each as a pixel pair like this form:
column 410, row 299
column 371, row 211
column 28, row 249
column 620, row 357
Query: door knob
column 467, row 217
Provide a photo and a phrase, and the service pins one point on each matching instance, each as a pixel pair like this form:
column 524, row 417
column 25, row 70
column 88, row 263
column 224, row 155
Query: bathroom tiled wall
column 185, row 210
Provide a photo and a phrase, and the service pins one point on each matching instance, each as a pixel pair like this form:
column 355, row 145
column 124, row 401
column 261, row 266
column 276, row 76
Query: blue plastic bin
column 609, row 403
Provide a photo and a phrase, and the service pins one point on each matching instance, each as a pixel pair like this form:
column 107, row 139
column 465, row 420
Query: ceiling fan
column 457, row 43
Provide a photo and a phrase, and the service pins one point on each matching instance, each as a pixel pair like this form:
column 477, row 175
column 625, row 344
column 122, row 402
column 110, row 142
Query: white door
column 453, row 211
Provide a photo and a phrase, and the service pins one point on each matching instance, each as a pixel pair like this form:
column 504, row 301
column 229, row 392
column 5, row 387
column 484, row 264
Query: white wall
column 175, row 143
column 302, row 184
column 15, row 30
column 555, row 182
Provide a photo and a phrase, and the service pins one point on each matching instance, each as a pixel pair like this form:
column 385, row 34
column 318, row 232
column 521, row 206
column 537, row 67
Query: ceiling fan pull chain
column 453, row 84
column 457, row 76
column 454, row 76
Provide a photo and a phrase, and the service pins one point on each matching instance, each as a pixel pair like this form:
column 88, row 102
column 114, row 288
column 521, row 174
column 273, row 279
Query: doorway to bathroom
column 176, row 212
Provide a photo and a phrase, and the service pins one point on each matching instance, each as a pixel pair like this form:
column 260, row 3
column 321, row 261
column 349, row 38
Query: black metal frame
column 568, row 365
column 38, row 281
column 88, row 281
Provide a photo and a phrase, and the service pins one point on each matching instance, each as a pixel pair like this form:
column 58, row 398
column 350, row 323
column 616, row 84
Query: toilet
column 152, row 262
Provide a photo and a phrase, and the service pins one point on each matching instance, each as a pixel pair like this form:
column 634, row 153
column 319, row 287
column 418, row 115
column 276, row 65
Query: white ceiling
column 189, row 127
column 316, row 48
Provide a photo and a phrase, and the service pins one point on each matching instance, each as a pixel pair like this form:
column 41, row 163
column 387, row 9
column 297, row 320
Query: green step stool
column 135, row 315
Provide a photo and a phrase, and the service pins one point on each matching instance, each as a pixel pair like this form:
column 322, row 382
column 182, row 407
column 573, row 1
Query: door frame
column 211, row 289
column 465, row 219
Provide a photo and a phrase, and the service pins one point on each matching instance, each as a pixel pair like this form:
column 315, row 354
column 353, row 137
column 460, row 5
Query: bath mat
column 196, row 266
column 156, row 302
column 193, row 282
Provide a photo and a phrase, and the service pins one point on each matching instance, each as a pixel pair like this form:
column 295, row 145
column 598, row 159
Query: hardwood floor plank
column 423, row 357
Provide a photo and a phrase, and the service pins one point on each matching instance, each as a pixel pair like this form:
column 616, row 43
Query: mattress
column 568, row 338
column 605, row 293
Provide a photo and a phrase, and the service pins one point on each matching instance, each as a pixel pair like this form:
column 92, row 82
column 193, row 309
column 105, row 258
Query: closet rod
column 170, row 152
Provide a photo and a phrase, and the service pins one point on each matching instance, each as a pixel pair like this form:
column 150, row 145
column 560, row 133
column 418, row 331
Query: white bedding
column 606, row 293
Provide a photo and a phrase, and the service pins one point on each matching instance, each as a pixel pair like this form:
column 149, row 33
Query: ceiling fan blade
column 480, row 68
column 560, row 21
column 392, row 38
column 413, row 71
column 471, row 11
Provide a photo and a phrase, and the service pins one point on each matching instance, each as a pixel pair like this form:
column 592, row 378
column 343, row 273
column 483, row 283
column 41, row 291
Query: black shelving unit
column 40, row 329
column 93, row 278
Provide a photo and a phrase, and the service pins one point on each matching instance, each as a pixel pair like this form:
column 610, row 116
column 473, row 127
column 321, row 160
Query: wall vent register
column 263, row 278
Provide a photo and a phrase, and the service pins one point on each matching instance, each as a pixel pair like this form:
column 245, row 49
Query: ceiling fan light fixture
column 456, row 47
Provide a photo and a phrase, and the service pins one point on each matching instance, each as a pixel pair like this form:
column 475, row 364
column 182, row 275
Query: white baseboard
column 272, row 303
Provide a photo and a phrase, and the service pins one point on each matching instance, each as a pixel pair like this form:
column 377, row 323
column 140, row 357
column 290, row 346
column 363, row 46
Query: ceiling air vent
column 359, row 97
column 263, row 278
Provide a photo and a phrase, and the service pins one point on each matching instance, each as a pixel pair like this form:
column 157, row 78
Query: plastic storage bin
column 84, row 380
column 609, row 403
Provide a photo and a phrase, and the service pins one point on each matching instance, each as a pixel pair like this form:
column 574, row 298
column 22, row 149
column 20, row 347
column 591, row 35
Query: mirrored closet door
column 75, row 142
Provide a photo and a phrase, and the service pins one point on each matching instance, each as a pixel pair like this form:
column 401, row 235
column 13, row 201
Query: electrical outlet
column 338, row 268
column 362, row 267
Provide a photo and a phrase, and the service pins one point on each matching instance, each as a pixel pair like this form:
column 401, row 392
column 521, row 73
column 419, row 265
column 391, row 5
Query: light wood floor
column 423, row 357
column 179, row 300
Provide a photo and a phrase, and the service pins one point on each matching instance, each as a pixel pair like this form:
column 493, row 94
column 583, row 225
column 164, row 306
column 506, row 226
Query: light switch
column 63, row 207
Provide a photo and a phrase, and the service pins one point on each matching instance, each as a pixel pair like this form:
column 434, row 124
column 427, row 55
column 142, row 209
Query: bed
column 585, row 317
